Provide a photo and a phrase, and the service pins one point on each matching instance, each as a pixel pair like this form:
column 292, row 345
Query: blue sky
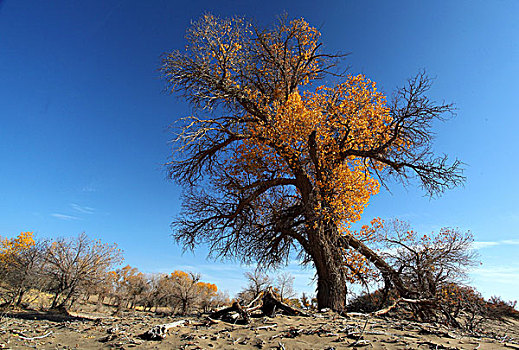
column 84, row 119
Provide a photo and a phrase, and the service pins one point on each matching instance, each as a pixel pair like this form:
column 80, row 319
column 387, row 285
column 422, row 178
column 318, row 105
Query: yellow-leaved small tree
column 21, row 260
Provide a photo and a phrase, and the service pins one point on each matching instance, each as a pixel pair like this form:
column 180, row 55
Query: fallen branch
column 22, row 336
column 270, row 304
column 160, row 331
column 400, row 300
column 212, row 321
column 360, row 337
column 358, row 314
column 235, row 307
column 252, row 309
column 267, row 326
column 255, row 300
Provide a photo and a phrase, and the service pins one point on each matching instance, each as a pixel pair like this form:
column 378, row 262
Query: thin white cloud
column 486, row 244
column 479, row 244
column 64, row 217
column 510, row 241
column 82, row 209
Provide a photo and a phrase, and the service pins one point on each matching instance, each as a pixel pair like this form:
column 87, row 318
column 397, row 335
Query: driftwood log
column 269, row 306
column 160, row 331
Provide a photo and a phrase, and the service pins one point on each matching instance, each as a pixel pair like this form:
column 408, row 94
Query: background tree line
column 58, row 274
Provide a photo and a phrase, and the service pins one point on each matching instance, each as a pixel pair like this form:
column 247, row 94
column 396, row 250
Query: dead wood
column 225, row 314
column 24, row 337
column 269, row 326
column 160, row 331
column 270, row 304
column 210, row 321
column 402, row 300
column 360, row 336
column 252, row 309
column 255, row 300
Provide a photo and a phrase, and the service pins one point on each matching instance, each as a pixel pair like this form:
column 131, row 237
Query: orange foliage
column 128, row 273
column 351, row 115
column 23, row 241
column 10, row 247
column 358, row 267
column 207, row 288
column 181, row 275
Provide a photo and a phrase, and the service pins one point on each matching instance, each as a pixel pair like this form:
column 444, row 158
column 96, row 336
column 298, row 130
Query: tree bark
column 68, row 298
column 331, row 287
column 331, row 276
column 184, row 306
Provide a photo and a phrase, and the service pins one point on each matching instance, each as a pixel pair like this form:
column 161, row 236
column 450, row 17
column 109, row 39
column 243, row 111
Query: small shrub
column 499, row 309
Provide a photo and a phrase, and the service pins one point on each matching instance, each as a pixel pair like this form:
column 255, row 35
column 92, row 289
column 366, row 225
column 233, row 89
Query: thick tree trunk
column 68, row 298
column 331, row 285
column 331, row 277
column 331, row 292
column 18, row 296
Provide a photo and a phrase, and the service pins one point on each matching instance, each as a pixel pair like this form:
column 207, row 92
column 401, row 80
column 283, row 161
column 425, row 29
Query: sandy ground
column 23, row 329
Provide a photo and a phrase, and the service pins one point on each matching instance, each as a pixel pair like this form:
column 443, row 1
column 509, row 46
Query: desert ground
column 25, row 329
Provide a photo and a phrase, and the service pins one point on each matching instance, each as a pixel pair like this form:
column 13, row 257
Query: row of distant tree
column 63, row 268
column 69, row 270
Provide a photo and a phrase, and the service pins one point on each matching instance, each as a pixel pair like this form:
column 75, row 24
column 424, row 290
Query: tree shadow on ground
column 51, row 315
